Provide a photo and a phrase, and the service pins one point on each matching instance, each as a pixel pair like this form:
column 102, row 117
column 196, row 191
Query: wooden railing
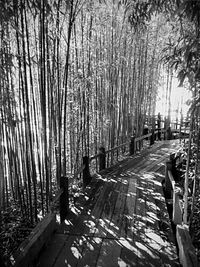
column 104, row 159
column 187, row 254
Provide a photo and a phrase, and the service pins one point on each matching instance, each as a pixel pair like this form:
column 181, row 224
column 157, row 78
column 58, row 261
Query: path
column 121, row 221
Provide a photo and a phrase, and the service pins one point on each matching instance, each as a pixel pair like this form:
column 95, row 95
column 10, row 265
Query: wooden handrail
column 109, row 150
column 117, row 147
column 171, row 178
column 142, row 137
column 127, row 143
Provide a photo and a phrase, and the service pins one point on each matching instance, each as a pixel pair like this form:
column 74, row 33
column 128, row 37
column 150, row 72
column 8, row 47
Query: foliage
column 76, row 75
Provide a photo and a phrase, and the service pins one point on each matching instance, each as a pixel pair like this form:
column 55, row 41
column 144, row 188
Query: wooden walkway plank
column 102, row 209
column 71, row 252
column 107, row 209
column 131, row 208
column 109, row 253
column 115, row 229
column 50, row 254
column 91, row 251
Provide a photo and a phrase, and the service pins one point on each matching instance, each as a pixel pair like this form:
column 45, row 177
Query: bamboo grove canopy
column 78, row 74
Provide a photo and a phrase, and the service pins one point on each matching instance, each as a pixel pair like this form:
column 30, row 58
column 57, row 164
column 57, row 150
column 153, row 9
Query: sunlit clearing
column 76, row 253
column 179, row 97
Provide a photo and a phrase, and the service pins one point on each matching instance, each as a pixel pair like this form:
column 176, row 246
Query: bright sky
column 179, row 96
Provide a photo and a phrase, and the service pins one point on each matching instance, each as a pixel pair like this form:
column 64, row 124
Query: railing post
column 86, row 172
column 152, row 137
column 132, row 145
column 64, row 198
column 165, row 128
column 169, row 133
column 102, row 158
column 159, row 134
column 168, row 186
column 170, row 166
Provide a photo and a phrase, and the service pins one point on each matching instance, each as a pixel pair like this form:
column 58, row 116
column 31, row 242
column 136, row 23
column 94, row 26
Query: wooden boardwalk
column 121, row 220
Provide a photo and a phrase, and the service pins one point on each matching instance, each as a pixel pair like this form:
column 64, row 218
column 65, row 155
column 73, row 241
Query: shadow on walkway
column 121, row 220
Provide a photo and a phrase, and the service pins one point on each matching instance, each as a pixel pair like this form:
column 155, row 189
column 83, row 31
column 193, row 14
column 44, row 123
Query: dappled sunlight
column 160, row 175
column 76, row 210
column 131, row 194
column 157, row 183
column 154, row 238
column 145, row 249
column 113, row 181
column 76, row 252
column 121, row 263
column 91, row 226
column 67, row 222
column 151, row 206
column 67, row 264
column 125, row 243
column 154, row 155
column 148, row 191
column 120, row 224
column 90, row 245
column 153, row 158
column 147, row 176
column 151, row 215
column 141, row 200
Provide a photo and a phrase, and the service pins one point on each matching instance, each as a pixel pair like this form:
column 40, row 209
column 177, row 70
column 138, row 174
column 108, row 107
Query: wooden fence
column 187, row 255
column 104, row 159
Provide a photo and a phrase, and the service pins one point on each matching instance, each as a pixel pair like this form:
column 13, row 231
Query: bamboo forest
column 80, row 87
